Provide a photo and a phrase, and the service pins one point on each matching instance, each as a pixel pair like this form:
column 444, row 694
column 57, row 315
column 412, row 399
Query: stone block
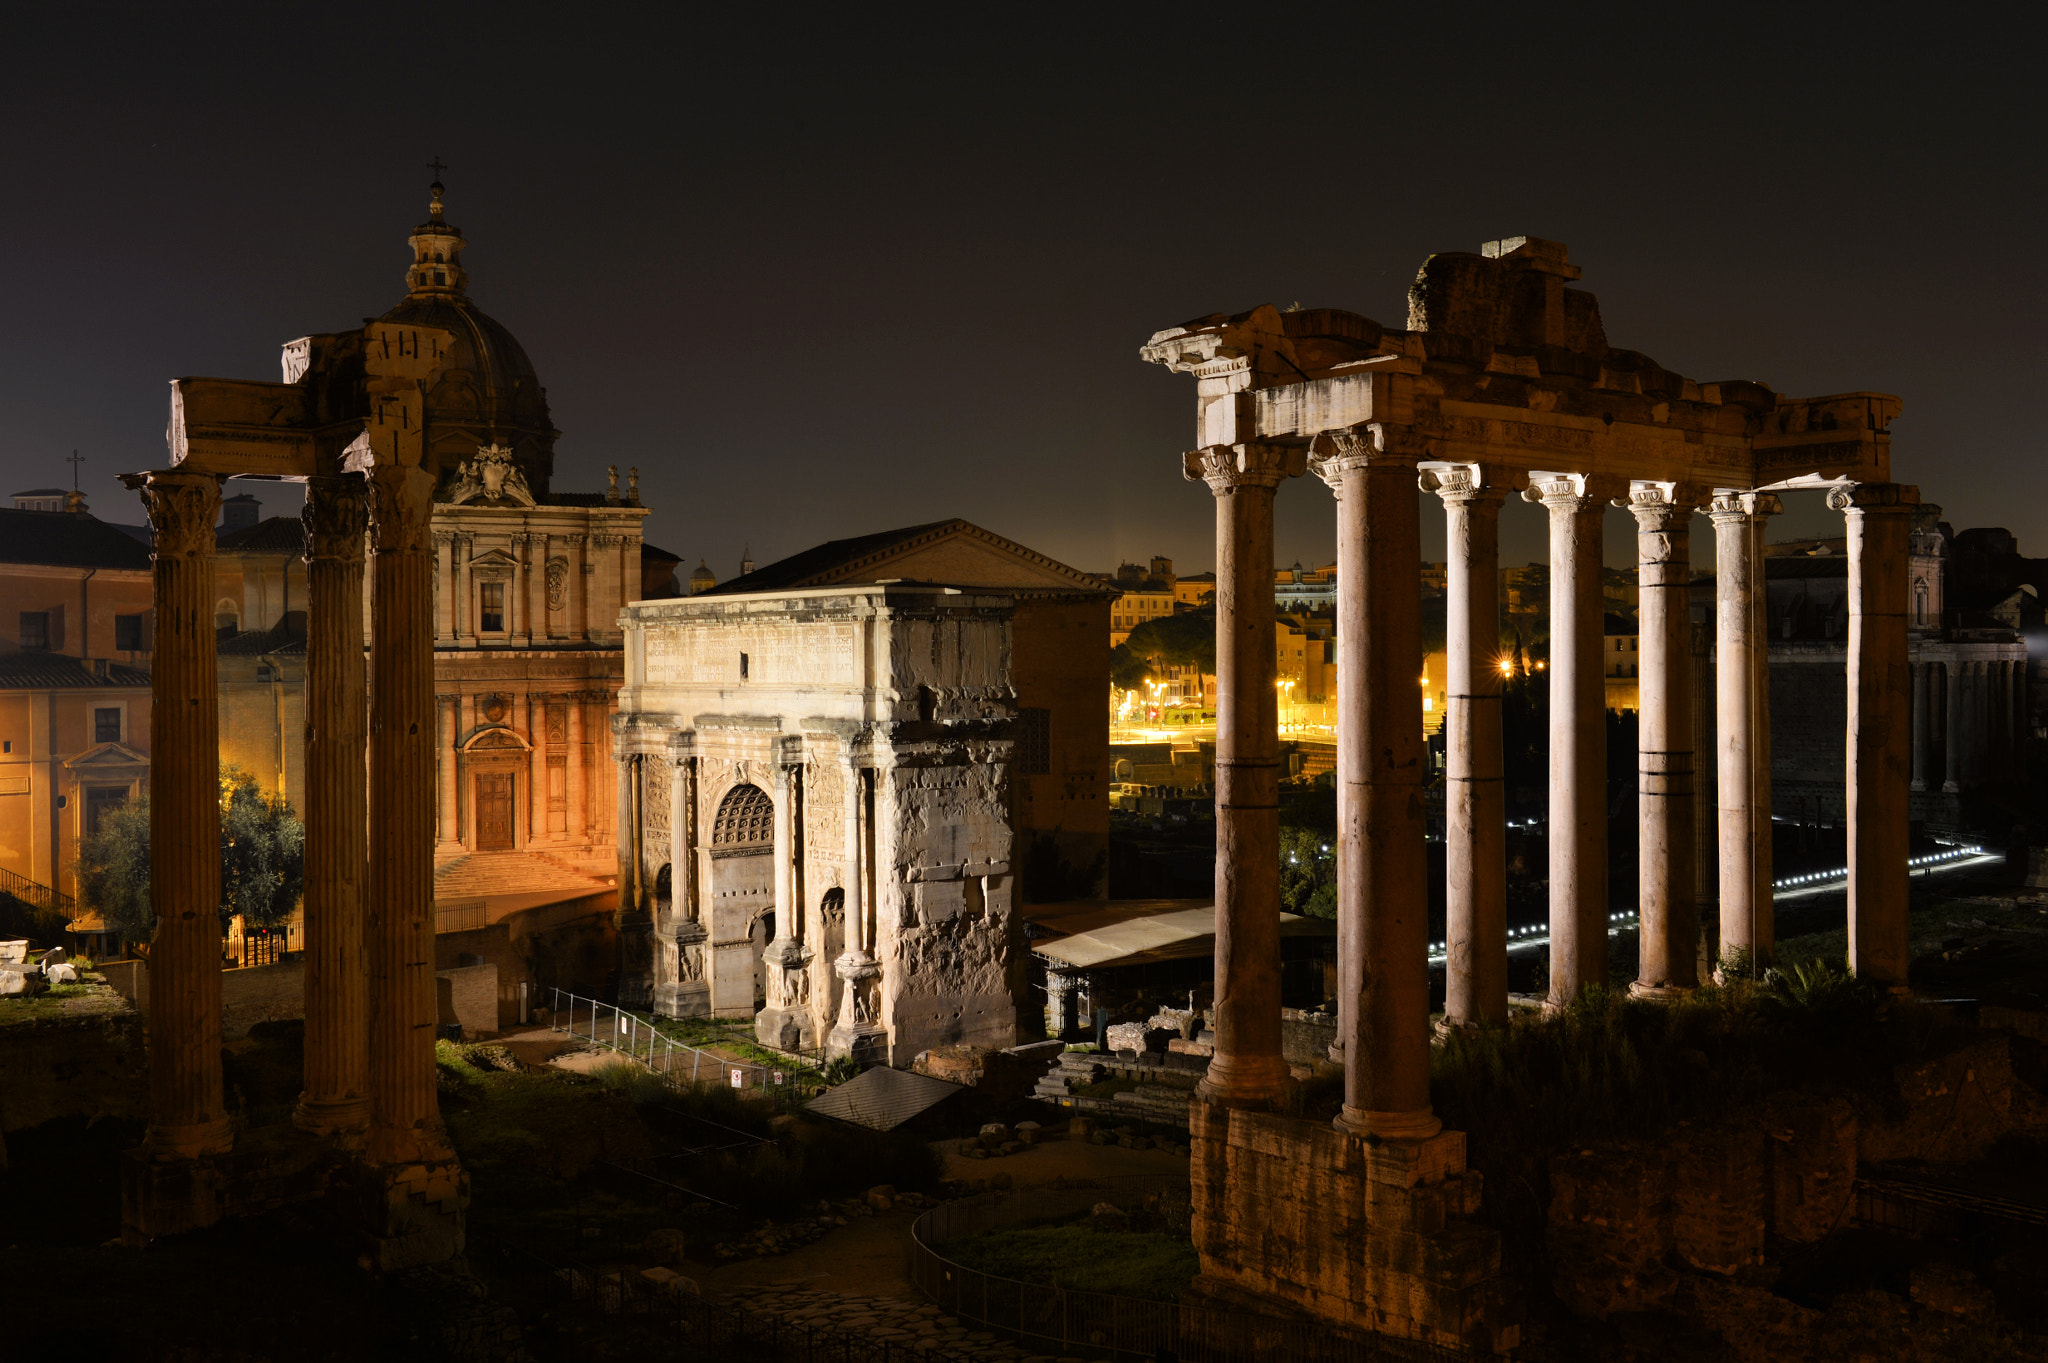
column 1719, row 1189
column 1408, row 1163
column 666, row 1246
column 1812, row 1153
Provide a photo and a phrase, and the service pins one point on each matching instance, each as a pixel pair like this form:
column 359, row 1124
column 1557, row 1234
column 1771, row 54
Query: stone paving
column 881, row 1318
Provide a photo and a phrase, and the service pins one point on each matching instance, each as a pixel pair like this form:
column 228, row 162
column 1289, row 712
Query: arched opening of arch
column 742, row 899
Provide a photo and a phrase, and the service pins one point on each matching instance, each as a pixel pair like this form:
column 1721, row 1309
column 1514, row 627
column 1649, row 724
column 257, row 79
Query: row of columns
column 1383, row 985
column 1979, row 709
column 370, row 1003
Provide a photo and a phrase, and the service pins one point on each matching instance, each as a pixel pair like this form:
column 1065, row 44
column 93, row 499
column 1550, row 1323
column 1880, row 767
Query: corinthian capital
column 1226, row 468
column 182, row 510
column 1332, row 454
column 1859, row 499
column 401, row 508
column 336, row 516
column 1731, row 505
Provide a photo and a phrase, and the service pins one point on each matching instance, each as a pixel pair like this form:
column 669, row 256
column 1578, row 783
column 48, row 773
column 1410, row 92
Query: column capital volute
column 1471, row 484
column 1572, row 492
column 1660, row 506
column 183, row 507
column 1875, row 499
column 1729, row 504
column 1225, row 468
column 336, row 517
column 1370, row 444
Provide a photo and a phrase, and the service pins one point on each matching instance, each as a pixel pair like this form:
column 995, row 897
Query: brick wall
column 468, row 998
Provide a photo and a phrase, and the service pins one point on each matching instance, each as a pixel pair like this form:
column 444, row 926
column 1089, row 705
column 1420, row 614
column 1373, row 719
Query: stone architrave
column 187, row 1116
column 405, row 1116
column 1578, row 736
column 1475, row 815
column 1669, row 930
column 1880, row 518
column 1383, row 895
column 337, row 1063
column 1742, row 725
column 1248, row 1068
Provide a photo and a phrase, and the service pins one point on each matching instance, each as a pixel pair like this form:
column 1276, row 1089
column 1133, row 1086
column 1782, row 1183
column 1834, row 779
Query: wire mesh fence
column 1103, row 1325
column 639, row 1038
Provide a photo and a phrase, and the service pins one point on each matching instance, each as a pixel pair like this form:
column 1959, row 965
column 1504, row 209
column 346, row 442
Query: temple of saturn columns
column 1502, row 382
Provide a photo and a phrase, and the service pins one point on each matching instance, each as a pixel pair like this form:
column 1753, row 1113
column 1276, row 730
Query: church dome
column 488, row 392
column 703, row 580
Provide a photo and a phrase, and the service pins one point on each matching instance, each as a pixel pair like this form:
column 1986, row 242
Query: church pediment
column 107, row 756
column 495, row 740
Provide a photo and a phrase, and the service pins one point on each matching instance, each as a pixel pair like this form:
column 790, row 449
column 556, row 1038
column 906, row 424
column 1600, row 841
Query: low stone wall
column 1306, row 1038
column 91, row 1065
column 468, row 998
column 1367, row 1237
column 264, row 993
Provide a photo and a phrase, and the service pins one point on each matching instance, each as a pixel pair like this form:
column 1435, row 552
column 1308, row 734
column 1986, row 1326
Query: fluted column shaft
column 447, row 763
column 1578, row 739
column 1923, row 736
column 336, row 1096
column 186, row 1114
column 537, row 781
column 1742, row 724
column 1880, row 516
column 1475, row 822
column 1952, row 725
column 1382, row 885
column 1247, row 1068
column 405, row 1117
column 1669, row 932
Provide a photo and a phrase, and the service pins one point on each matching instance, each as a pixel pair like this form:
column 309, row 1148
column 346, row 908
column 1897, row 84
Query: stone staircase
column 1165, row 1083
column 481, row 875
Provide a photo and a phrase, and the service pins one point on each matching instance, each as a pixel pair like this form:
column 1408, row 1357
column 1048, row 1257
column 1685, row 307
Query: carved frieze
column 823, row 653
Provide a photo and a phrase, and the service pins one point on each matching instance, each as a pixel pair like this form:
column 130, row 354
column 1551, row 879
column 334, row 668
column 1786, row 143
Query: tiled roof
column 648, row 551
column 272, row 534
column 63, row 539
column 882, row 1098
column 838, row 562
column 60, row 671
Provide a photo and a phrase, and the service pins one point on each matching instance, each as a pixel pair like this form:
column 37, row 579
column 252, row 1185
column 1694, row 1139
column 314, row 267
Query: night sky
column 824, row 276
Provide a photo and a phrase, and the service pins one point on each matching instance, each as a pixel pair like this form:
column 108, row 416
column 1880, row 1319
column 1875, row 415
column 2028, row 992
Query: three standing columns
column 1742, row 725
column 1382, row 890
column 405, row 1123
column 337, row 1094
column 1578, row 737
column 1670, row 930
column 1247, row 1069
column 1475, row 798
column 187, row 1117
column 1880, row 519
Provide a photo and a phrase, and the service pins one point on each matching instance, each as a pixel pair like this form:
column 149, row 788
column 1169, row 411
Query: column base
column 345, row 1117
column 165, row 1194
column 866, row 1042
column 786, row 1029
column 411, row 1214
column 1418, row 1125
column 1243, row 1081
column 1659, row 993
column 683, row 1000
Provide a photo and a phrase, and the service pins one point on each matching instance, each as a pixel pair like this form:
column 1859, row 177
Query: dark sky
column 819, row 276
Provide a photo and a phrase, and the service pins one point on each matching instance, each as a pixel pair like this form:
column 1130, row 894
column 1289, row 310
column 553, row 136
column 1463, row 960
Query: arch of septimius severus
column 1501, row 383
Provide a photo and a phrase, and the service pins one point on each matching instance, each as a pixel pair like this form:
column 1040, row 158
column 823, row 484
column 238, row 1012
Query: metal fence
column 1101, row 1324
column 637, row 1038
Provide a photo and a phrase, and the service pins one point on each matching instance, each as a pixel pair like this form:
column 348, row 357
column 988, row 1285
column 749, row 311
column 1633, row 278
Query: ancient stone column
column 186, row 1115
column 858, row 1030
column 1952, row 723
column 1382, row 889
column 785, row 1021
column 1742, row 724
column 405, row 1118
column 1669, row 932
column 537, row 781
column 446, row 762
column 336, row 1096
column 1880, row 516
column 1923, row 734
column 1475, row 800
column 1247, row 1068
column 1578, row 737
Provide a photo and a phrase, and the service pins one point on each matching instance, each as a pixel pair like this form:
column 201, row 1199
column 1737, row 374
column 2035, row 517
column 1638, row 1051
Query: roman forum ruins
column 1502, row 382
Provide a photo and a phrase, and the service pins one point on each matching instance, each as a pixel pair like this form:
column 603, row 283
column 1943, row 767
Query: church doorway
column 742, row 898
column 494, row 811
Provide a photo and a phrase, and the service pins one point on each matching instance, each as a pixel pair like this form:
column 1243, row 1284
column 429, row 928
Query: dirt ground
column 868, row 1256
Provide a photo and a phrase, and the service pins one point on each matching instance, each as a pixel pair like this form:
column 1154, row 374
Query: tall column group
column 1742, row 726
column 1669, row 933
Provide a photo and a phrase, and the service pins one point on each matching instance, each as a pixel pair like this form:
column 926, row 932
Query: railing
column 37, row 894
column 637, row 1038
column 461, row 915
column 1104, row 1325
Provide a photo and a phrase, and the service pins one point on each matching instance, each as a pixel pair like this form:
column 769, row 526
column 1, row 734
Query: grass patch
column 1148, row 1264
column 736, row 1041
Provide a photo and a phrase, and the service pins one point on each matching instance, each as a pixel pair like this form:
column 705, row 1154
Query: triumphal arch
column 1501, row 383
